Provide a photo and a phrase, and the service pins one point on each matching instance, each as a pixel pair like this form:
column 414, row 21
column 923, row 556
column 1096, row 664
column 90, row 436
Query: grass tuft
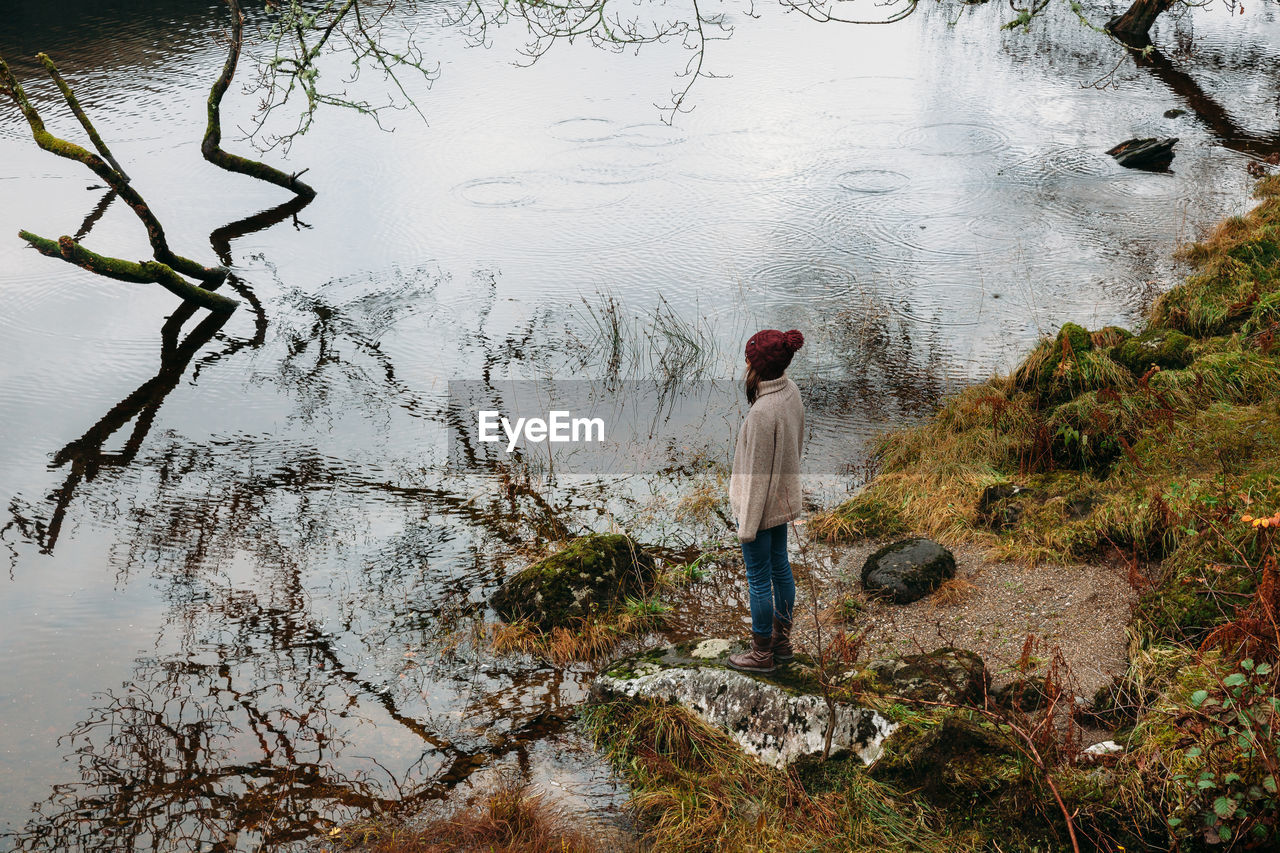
column 696, row 790
column 510, row 819
column 586, row 640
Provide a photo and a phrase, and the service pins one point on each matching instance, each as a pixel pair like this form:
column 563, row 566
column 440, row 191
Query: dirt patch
column 1082, row 609
column 989, row 608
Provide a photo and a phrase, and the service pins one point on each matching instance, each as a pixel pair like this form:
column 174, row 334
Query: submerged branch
column 211, row 146
column 139, row 272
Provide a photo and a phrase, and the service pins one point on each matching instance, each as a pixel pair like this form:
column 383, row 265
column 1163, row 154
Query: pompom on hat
column 770, row 351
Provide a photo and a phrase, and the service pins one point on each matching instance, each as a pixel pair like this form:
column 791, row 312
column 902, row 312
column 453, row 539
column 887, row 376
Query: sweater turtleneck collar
column 768, row 386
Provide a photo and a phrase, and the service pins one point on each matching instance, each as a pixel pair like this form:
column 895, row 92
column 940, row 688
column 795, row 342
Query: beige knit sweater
column 764, row 489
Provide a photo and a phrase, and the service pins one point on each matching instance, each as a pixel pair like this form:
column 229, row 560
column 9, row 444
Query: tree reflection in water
column 243, row 730
column 309, row 669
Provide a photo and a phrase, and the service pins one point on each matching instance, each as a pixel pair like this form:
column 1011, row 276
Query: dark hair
column 752, row 384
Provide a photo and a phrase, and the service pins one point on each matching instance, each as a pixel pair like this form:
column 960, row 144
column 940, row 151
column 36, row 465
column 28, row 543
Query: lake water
column 240, row 580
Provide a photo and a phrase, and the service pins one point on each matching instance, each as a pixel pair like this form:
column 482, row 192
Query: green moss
column 860, row 517
column 1166, row 349
column 1059, row 368
column 590, row 578
column 951, row 758
column 1077, row 336
column 1073, row 362
column 147, row 271
column 1237, row 267
column 1110, row 336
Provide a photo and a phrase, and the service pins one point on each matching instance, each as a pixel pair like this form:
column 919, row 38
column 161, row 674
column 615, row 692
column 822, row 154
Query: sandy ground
column 1082, row 610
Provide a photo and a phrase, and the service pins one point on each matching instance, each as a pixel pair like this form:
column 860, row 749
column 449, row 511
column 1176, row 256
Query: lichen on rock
column 779, row 717
column 942, row 675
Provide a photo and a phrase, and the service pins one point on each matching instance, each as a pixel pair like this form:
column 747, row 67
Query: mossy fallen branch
column 140, row 272
column 116, row 180
column 72, row 102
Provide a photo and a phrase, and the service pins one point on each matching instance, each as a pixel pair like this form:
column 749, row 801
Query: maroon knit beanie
column 769, row 352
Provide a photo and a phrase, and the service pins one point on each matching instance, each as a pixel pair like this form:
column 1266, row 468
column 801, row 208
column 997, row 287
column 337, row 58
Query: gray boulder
column 779, row 718
column 592, row 576
column 907, row 570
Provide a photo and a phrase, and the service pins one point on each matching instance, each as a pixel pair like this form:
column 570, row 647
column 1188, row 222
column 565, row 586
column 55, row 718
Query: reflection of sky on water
column 279, row 562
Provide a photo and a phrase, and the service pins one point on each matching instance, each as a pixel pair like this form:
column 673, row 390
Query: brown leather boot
column 782, row 651
column 759, row 658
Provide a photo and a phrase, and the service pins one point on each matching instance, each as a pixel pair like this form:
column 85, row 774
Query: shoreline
column 1117, row 474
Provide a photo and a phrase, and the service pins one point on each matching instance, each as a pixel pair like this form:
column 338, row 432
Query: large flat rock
column 779, row 718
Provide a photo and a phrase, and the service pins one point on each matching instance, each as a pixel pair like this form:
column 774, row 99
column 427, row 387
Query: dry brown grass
column 587, row 641
column 954, row 591
column 704, row 503
column 510, row 819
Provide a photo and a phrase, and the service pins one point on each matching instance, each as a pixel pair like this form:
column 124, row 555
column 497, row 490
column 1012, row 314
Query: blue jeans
column 769, row 580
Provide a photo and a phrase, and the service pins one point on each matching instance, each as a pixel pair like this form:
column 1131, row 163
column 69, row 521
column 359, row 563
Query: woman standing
column 764, row 493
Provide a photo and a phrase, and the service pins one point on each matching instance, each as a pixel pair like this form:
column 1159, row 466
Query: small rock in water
column 907, row 570
column 1174, row 113
column 1151, row 155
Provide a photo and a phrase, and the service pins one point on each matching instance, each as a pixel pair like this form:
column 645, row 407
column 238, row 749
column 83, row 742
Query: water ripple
column 584, row 129
column 495, row 192
column 803, row 279
column 955, row 139
column 872, row 181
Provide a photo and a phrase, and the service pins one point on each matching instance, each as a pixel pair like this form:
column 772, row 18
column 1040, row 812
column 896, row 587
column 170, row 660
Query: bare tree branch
column 211, row 146
column 300, row 38
column 825, row 11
